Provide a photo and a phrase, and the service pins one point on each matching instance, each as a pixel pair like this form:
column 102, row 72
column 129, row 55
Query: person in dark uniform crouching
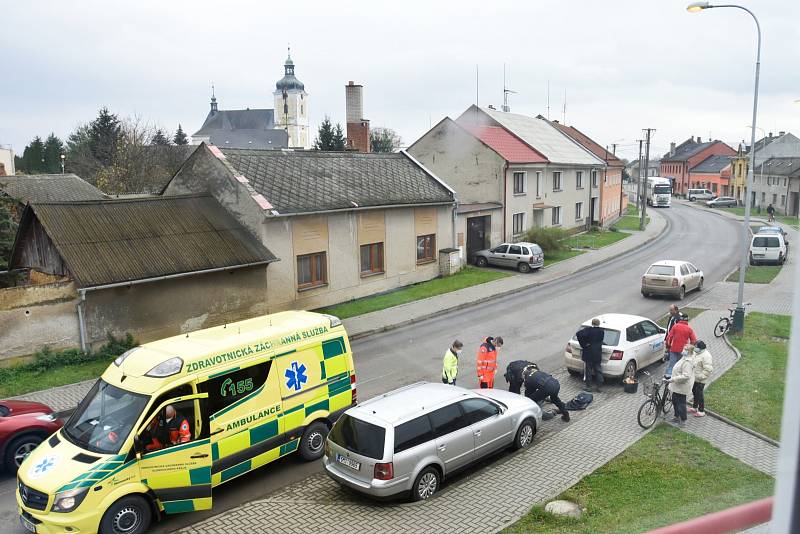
column 540, row 386
column 516, row 373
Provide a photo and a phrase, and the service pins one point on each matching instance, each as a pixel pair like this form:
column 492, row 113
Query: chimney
column 357, row 125
column 672, row 149
column 781, row 134
column 491, row 107
column 770, row 135
column 699, row 140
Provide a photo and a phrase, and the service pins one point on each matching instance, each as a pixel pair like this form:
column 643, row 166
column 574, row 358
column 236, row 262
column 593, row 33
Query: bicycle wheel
column 667, row 402
column 648, row 414
column 722, row 327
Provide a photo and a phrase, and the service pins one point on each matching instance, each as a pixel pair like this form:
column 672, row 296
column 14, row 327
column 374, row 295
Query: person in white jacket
column 703, row 367
column 680, row 383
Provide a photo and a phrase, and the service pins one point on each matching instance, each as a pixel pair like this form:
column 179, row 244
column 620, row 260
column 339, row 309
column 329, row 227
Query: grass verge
column 666, row 477
column 560, row 255
column 630, row 223
column 469, row 276
column 50, row 369
column 598, row 239
column 751, row 392
column 757, row 274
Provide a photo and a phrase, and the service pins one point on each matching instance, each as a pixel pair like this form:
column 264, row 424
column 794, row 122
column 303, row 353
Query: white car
column 700, row 194
column 673, row 278
column 631, row 342
column 768, row 248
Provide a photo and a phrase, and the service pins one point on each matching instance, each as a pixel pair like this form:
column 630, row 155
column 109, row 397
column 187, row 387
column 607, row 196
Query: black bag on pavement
column 580, row 401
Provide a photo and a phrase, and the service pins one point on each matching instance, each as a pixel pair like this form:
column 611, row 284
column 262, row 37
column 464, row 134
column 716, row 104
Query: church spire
column 213, row 100
column 289, row 65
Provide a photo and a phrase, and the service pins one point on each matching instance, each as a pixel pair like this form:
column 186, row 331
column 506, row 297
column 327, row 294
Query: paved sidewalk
column 67, row 397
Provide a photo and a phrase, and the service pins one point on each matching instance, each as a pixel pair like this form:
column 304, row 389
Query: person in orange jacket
column 170, row 429
column 487, row 361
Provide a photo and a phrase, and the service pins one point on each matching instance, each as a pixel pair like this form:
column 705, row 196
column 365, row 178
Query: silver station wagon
column 523, row 256
column 407, row 441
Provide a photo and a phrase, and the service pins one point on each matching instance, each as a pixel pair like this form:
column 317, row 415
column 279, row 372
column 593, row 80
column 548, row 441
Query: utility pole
column 646, row 165
column 639, row 179
column 614, row 149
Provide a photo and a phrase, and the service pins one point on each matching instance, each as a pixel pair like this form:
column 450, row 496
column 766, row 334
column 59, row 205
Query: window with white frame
column 519, row 183
column 556, row 180
column 579, row 180
column 556, row 215
column 538, row 184
column 578, row 211
column 518, row 223
column 594, row 178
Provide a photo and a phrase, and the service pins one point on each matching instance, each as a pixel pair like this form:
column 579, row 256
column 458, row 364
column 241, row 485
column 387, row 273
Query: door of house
column 794, row 203
column 538, row 218
column 593, row 215
column 477, row 234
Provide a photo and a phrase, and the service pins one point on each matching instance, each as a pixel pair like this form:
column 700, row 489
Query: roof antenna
column 564, row 111
column 548, row 99
column 506, row 90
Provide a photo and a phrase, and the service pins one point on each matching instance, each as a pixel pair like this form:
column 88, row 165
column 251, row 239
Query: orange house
column 714, row 174
column 678, row 162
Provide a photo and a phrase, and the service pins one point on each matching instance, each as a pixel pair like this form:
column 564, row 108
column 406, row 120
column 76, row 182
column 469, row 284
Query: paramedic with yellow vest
column 450, row 364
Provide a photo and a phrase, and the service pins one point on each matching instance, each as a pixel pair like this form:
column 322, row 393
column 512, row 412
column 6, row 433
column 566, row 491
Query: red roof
column 511, row 148
column 589, row 144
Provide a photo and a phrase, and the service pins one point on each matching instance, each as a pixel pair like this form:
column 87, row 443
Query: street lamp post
column 738, row 317
column 63, row 157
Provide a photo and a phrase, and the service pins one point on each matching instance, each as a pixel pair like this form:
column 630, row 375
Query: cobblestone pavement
column 60, row 398
column 562, row 454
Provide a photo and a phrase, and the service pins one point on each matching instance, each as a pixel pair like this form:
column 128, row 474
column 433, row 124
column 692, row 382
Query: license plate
column 27, row 525
column 349, row 462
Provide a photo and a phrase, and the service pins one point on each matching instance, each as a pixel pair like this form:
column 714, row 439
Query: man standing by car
column 591, row 342
column 540, row 386
column 678, row 337
column 674, row 315
column 450, row 364
column 487, row 361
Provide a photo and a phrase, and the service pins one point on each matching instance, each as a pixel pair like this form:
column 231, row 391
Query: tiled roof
column 781, row 167
column 537, row 133
column 110, row 241
column 48, row 188
column 243, row 128
column 589, row 144
column 505, row 144
column 686, row 150
column 307, row 181
column 712, row 164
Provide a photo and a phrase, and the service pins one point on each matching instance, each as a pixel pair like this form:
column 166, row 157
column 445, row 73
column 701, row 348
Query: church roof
column 243, row 128
column 289, row 82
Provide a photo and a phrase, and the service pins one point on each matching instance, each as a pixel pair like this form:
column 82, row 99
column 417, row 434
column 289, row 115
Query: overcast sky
column 624, row 64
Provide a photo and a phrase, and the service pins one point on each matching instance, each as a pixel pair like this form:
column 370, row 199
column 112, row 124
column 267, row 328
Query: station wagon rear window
column 769, row 242
column 359, row 436
column 663, row 270
column 610, row 337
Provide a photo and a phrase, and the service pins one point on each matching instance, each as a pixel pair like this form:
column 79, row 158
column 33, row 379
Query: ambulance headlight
column 169, row 367
column 121, row 357
column 66, row 501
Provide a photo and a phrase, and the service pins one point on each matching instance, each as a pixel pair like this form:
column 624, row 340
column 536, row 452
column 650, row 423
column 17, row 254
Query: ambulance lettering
column 244, row 421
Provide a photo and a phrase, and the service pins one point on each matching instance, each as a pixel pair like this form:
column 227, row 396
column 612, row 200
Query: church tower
column 291, row 107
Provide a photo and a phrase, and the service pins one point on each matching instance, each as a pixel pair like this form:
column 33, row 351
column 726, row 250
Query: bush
column 48, row 359
column 550, row 239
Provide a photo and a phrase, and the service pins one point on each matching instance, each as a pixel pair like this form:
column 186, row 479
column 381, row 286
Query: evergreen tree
column 53, row 148
column 339, row 139
column 79, row 154
column 8, row 230
column 104, row 134
column 324, row 140
column 384, row 140
column 160, row 139
column 33, row 156
column 180, row 137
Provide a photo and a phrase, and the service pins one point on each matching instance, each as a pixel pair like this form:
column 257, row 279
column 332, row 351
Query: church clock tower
column 291, row 107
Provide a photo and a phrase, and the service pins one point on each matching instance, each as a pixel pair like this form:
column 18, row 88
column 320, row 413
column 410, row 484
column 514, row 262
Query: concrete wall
column 162, row 309
column 7, row 159
column 776, row 190
column 471, row 168
column 569, row 195
column 32, row 317
column 339, row 238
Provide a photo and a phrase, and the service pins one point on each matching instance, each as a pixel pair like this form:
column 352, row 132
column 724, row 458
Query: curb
column 488, row 298
column 743, row 428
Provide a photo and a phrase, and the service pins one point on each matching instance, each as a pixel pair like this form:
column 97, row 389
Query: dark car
column 722, row 202
column 23, row 425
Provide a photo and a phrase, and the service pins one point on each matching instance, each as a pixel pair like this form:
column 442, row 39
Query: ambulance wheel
column 312, row 445
column 129, row 515
column 426, row 484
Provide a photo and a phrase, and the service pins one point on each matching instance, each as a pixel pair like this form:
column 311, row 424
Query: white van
column 700, row 194
column 767, row 248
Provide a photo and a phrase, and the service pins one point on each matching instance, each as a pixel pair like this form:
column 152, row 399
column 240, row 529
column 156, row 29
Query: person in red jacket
column 168, row 429
column 487, row 361
column 677, row 338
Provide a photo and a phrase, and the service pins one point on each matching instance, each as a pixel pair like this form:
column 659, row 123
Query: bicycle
column 659, row 402
column 724, row 324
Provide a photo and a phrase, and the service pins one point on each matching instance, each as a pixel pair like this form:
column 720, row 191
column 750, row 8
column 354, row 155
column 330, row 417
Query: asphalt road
column 535, row 324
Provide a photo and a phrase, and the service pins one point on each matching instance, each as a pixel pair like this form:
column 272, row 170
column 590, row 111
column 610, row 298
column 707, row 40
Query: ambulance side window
column 180, row 391
column 226, row 389
column 172, row 425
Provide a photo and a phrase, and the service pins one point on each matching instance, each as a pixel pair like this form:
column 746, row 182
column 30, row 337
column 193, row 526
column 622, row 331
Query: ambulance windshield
column 104, row 418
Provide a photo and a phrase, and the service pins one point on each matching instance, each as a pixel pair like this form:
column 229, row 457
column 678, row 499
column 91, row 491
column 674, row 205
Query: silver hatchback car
column 522, row 256
column 407, row 441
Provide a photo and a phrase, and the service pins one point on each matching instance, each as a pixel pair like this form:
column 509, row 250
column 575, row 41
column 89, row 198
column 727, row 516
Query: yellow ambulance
column 172, row 419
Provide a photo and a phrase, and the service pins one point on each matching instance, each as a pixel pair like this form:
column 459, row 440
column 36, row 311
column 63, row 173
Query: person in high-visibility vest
column 450, row 363
column 487, row 361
